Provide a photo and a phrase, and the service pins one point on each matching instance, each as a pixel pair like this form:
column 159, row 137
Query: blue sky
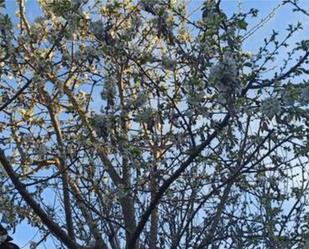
column 280, row 21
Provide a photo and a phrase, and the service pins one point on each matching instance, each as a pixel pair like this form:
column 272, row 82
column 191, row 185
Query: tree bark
column 46, row 220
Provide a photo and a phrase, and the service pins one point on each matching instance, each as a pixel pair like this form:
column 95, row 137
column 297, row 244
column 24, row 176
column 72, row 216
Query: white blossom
column 210, row 13
column 224, row 74
column 27, row 138
column 5, row 22
column 77, row 3
column 270, row 107
column 33, row 245
column 37, row 79
column 10, row 76
column 304, row 96
column 3, row 238
column 149, row 5
column 109, row 89
column 102, row 125
column 140, row 100
column 41, row 150
column 98, row 29
column 287, row 98
column 92, row 243
column 168, row 63
column 144, row 115
column 196, row 98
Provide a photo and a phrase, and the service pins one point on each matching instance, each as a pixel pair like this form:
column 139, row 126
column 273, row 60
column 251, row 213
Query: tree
column 129, row 124
column 5, row 240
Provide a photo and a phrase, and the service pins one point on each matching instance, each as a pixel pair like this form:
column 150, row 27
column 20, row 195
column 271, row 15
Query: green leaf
column 242, row 24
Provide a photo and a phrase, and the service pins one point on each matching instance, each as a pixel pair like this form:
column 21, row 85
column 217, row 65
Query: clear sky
column 283, row 17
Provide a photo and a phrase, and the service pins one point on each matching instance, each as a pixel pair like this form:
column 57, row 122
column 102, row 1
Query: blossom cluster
column 99, row 123
column 98, row 29
column 224, row 74
column 271, row 106
column 304, row 96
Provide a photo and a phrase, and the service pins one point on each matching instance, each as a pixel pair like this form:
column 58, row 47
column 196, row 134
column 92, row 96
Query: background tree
column 194, row 142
